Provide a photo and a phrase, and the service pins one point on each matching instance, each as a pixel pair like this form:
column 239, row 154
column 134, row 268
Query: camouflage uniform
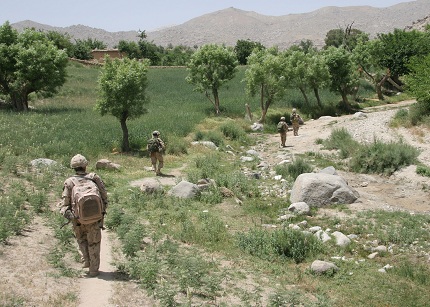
column 295, row 120
column 87, row 236
column 158, row 155
column 283, row 134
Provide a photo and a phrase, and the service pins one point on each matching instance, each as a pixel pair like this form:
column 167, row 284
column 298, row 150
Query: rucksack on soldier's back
column 153, row 145
column 281, row 127
column 87, row 204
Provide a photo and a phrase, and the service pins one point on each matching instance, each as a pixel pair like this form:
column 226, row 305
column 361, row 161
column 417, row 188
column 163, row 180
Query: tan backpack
column 87, row 204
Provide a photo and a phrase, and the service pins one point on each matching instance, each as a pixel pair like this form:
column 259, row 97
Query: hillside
column 231, row 24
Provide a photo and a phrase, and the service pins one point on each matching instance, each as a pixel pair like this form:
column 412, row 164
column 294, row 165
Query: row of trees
column 34, row 62
column 348, row 57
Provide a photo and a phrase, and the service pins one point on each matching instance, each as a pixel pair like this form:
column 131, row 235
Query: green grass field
column 204, row 251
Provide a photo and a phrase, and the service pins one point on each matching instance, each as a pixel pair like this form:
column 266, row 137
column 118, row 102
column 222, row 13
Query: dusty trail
column 98, row 291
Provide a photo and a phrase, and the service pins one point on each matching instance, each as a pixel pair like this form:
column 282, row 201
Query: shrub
column 341, row 139
column 233, row 131
column 293, row 170
column 383, row 158
column 423, row 170
column 288, row 243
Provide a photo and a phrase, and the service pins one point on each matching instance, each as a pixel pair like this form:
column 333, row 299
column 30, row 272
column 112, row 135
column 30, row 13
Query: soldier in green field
column 156, row 149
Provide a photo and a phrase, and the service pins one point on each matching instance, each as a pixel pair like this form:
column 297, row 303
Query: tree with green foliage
column 266, row 75
column 418, row 84
column 130, row 49
column 347, row 37
column 29, row 63
column 122, row 92
column 82, row 48
column 244, row 48
column 318, row 75
column 62, row 41
column 296, row 71
column 343, row 73
column 209, row 68
column 397, row 48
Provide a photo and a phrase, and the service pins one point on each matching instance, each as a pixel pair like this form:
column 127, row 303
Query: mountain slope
column 231, row 24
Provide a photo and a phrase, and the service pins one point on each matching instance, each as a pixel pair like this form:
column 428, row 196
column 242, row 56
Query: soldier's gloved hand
column 68, row 214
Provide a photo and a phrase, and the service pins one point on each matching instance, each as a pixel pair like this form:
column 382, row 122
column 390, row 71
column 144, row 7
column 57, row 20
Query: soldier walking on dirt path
column 295, row 120
column 84, row 203
column 282, row 128
column 156, row 149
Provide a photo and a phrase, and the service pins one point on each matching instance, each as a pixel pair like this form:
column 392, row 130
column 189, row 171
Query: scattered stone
column 225, row 192
column 323, row 267
column 42, row 162
column 257, row 127
column 323, row 236
column 150, row 185
column 360, row 115
column 315, row 229
column 246, row 159
column 329, row 170
column 184, row 189
column 207, row 144
column 300, row 208
column 108, row 165
column 380, row 249
column 341, row 239
column 372, row 255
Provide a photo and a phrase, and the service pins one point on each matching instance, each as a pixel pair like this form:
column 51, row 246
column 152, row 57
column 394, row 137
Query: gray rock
column 42, row 162
column 257, row 127
column 341, row 239
column 150, row 185
column 323, row 267
column 329, row 170
column 184, row 189
column 106, row 164
column 320, row 189
column 208, row 144
column 300, row 208
column 322, row 235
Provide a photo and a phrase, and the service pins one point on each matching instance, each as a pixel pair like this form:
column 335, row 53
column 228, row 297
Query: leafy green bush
column 341, row 139
column 383, row 158
column 233, row 131
column 293, row 170
column 423, row 170
column 287, row 243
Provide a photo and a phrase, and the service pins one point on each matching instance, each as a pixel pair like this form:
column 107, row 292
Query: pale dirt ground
column 26, row 274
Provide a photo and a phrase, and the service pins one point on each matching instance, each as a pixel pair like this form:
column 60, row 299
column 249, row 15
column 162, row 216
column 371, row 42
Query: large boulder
column 320, row 189
column 184, row 189
column 108, row 165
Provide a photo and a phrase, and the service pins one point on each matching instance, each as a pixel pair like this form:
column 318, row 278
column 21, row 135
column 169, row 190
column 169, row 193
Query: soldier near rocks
column 295, row 120
column 87, row 221
column 282, row 128
column 156, row 149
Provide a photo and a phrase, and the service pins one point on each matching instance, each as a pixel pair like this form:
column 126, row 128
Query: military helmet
column 282, row 118
column 294, row 110
column 156, row 133
column 78, row 161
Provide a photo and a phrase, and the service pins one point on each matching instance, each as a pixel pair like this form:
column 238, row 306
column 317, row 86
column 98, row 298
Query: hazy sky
column 126, row 15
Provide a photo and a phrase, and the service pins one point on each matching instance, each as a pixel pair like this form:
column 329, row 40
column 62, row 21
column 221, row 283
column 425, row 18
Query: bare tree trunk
column 248, row 111
column 125, row 142
column 378, row 87
column 19, row 102
column 317, row 96
column 216, row 100
column 304, row 95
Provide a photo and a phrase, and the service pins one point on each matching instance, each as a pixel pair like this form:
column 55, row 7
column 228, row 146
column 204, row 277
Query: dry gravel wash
column 26, row 273
column 404, row 190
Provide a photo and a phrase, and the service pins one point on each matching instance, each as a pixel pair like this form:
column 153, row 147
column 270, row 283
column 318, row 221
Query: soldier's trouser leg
column 94, row 237
column 160, row 159
column 89, row 238
column 154, row 161
column 283, row 139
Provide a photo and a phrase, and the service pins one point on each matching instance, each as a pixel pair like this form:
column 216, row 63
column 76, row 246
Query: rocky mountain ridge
column 231, row 24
